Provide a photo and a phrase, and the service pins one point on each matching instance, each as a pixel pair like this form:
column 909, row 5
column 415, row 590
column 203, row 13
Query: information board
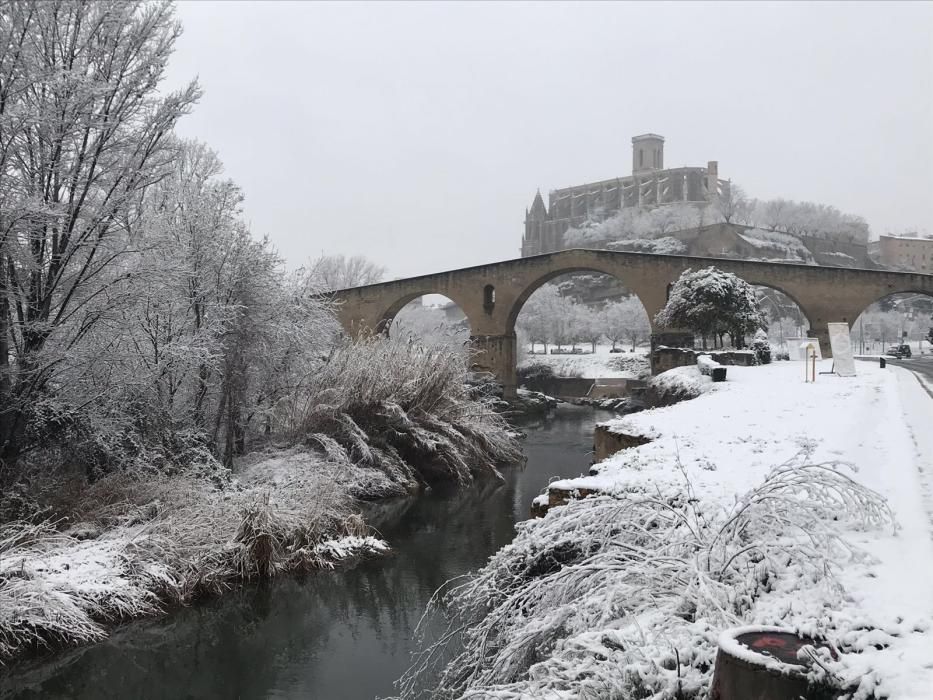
column 839, row 341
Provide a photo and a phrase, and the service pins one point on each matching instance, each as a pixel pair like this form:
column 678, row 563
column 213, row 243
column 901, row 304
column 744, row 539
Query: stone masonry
column 492, row 295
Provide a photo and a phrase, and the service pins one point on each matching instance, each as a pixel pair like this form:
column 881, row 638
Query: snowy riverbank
column 146, row 544
column 763, row 501
column 381, row 418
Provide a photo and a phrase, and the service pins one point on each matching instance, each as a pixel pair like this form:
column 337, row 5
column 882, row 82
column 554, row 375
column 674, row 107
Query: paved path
column 922, row 366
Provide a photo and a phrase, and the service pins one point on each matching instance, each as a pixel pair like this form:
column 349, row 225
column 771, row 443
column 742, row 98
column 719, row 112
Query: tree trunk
column 11, row 416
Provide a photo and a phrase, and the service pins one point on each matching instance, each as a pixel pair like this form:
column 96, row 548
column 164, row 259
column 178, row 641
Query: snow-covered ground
column 880, row 422
column 601, row 364
column 764, row 501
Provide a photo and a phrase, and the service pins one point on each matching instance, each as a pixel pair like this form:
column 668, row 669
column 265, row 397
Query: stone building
column 910, row 253
column 650, row 184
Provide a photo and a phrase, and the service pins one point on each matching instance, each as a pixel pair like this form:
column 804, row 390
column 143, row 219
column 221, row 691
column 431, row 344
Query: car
column 899, row 351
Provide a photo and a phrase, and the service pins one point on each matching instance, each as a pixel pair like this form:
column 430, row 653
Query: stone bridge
column 492, row 295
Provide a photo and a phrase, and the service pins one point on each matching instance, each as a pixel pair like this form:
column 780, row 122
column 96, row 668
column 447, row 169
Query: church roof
column 538, row 204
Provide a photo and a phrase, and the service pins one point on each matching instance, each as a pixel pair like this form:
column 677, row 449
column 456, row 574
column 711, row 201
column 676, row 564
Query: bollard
column 882, row 362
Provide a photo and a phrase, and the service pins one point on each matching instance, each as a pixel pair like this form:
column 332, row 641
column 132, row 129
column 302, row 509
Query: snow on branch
column 625, row 596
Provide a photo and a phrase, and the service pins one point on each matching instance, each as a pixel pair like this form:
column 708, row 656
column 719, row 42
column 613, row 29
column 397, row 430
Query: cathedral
column 649, row 185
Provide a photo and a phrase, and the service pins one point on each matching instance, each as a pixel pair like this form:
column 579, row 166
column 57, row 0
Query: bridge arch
column 534, row 285
column 909, row 292
column 387, row 315
column 887, row 318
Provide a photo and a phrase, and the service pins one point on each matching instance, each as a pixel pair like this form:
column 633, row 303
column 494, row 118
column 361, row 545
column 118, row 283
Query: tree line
column 551, row 318
column 648, row 229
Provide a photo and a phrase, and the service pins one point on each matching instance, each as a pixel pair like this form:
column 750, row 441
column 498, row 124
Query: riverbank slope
column 763, row 501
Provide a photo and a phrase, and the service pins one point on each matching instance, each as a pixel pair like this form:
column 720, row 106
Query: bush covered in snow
column 535, row 371
column 625, row 597
column 403, row 408
column 675, row 385
column 761, row 347
column 138, row 543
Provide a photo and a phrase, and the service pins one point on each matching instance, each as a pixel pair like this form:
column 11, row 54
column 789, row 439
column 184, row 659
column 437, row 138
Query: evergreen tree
column 711, row 303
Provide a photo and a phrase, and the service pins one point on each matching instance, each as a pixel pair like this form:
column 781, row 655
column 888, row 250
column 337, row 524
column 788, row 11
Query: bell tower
column 647, row 154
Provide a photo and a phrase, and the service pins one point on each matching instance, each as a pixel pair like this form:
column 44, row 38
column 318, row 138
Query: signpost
column 840, row 342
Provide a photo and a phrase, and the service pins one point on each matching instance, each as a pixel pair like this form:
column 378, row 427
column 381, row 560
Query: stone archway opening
column 431, row 319
column 905, row 318
column 585, row 324
column 787, row 324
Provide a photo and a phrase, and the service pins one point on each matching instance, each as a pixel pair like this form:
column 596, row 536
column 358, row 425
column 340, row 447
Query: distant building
column 909, row 252
column 649, row 185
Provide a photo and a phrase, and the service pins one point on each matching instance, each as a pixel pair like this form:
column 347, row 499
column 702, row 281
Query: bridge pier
column 497, row 354
column 821, row 333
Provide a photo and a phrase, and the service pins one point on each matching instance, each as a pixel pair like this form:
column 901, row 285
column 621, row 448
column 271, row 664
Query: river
column 337, row 635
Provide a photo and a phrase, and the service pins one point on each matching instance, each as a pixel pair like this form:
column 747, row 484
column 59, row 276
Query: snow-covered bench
column 708, row 366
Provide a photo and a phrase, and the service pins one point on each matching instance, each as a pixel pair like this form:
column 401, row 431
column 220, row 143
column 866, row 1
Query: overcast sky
column 416, row 134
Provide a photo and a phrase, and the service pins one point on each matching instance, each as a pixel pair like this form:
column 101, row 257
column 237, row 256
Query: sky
column 416, row 134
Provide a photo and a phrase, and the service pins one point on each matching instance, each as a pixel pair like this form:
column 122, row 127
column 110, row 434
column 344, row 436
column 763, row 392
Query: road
column 922, row 366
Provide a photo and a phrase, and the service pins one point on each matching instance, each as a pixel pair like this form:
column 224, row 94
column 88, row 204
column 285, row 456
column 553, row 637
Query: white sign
column 839, row 341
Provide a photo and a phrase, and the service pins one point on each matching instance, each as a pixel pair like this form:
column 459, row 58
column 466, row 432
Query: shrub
column 762, row 348
column 535, row 372
column 402, row 408
column 624, row 597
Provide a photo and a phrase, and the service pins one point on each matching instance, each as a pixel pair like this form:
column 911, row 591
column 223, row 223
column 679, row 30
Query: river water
column 331, row 636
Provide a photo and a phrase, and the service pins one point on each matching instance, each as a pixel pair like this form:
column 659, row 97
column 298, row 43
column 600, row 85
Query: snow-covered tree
column 732, row 204
column 589, row 324
column 331, row 272
column 711, row 303
column 808, row 219
column 83, row 132
column 625, row 320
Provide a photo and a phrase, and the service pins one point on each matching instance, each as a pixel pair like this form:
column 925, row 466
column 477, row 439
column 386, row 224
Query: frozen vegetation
column 380, row 418
column 151, row 347
column 763, row 501
column 142, row 543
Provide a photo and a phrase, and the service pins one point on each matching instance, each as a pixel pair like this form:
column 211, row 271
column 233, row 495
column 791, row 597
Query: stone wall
column 607, row 442
column 560, row 387
column 664, row 358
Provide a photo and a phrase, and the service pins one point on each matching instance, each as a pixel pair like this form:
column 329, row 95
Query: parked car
column 899, row 351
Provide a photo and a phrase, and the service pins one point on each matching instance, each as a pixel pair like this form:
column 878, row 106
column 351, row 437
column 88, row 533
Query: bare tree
column 331, row 272
column 83, row 132
column 732, row 204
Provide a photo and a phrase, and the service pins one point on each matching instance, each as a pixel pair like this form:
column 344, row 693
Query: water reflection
column 344, row 634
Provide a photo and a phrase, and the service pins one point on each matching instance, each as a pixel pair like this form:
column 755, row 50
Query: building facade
column 649, row 185
column 910, row 253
